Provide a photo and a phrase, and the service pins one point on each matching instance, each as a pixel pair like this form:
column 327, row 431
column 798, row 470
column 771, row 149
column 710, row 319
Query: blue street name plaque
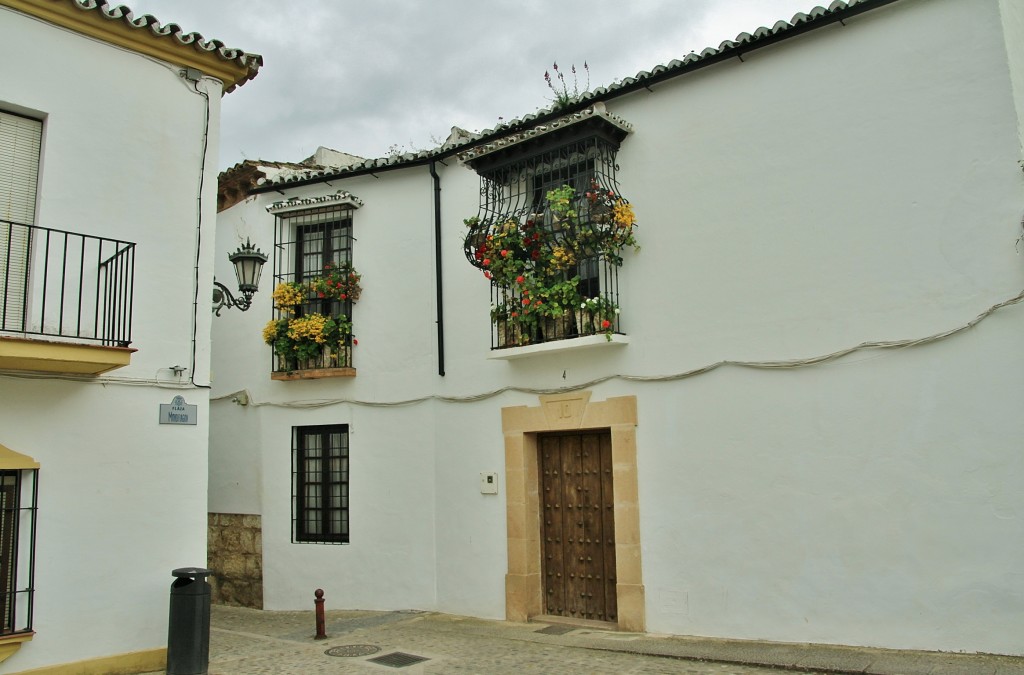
column 178, row 412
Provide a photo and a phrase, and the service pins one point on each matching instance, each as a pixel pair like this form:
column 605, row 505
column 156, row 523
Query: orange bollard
column 321, row 633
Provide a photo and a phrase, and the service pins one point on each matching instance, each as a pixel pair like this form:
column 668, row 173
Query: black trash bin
column 188, row 626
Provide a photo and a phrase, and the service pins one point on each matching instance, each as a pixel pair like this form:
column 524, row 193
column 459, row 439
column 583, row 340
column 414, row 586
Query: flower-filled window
column 316, row 286
column 552, row 229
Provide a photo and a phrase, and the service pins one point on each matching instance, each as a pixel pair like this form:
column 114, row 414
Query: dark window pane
column 320, row 484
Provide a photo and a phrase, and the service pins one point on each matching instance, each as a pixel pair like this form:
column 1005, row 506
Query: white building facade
column 107, row 245
column 804, row 426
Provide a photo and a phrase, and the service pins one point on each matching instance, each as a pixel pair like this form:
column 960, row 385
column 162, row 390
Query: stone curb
column 796, row 656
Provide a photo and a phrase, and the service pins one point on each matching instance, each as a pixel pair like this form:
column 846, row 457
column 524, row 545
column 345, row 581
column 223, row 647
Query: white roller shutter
column 19, row 172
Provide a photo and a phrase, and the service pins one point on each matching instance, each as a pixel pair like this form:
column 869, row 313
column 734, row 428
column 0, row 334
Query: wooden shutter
column 19, row 172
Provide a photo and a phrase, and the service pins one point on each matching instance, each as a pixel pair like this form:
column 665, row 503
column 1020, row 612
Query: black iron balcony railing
column 66, row 285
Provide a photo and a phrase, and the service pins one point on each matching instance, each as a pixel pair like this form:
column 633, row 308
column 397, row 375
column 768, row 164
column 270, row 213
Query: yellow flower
column 287, row 296
column 270, row 332
column 308, row 328
column 622, row 213
column 562, row 258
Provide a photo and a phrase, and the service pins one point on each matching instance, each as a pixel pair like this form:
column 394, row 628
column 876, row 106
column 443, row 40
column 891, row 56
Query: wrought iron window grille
column 18, row 507
column 566, row 249
column 306, row 242
column 320, row 484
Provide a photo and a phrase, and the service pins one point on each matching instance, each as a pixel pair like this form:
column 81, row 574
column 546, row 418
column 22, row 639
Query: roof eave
column 232, row 72
column 836, row 13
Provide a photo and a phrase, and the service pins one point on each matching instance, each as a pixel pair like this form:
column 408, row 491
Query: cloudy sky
column 370, row 77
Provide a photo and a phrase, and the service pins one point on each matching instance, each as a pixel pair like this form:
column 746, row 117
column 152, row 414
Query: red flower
column 520, row 279
column 487, row 274
column 526, row 301
column 514, row 314
column 487, row 261
column 606, row 323
column 535, row 254
column 344, row 297
column 537, row 302
column 355, row 341
column 504, row 253
column 319, row 295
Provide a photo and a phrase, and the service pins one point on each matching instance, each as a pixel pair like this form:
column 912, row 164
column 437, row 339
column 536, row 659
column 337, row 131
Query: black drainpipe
column 437, row 269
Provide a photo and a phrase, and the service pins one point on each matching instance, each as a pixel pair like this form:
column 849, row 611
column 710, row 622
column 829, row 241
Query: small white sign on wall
column 178, row 412
column 489, row 483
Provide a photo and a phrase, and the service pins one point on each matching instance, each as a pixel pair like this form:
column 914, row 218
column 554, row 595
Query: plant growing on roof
column 563, row 97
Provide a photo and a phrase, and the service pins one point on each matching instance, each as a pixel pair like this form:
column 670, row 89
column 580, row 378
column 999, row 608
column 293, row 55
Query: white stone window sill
column 572, row 344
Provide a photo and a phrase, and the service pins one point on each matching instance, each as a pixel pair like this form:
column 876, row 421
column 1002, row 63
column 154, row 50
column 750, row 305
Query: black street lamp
column 248, row 261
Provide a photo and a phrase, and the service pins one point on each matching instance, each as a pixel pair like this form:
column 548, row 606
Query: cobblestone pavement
column 251, row 642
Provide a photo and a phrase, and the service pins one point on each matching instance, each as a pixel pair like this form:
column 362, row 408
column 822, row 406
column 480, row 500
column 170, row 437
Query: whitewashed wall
column 122, row 500
column 859, row 183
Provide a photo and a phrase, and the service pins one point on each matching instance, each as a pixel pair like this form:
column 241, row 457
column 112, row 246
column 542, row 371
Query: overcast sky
column 370, row 76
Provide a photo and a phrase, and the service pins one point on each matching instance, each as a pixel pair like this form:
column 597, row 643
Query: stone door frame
column 570, row 412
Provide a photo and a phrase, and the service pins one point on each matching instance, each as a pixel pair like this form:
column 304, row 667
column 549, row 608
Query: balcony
column 65, row 301
column 315, row 290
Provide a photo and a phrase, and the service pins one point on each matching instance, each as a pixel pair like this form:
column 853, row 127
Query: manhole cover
column 398, row 659
column 556, row 629
column 352, row 650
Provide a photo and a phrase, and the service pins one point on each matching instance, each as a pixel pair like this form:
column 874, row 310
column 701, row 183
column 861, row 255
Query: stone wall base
column 235, row 552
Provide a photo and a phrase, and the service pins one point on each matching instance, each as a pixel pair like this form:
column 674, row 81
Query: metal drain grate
column 398, row 659
column 556, row 629
column 352, row 650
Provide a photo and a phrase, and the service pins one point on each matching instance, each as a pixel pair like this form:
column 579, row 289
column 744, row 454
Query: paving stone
column 252, row 642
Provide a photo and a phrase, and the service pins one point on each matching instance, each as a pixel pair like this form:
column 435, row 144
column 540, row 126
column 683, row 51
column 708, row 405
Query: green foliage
column 536, row 262
column 559, row 86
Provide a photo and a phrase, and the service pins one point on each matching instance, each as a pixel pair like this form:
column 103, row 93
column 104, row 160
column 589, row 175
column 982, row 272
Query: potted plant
column 533, row 264
column 596, row 315
column 310, row 341
column 302, row 339
column 339, row 281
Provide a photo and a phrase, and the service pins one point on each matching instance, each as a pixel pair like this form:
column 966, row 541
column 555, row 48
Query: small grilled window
column 320, row 482
column 312, row 250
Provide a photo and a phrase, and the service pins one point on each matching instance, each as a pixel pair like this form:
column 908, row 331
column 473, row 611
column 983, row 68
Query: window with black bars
column 547, row 236
column 320, row 484
column 309, row 245
column 17, row 549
